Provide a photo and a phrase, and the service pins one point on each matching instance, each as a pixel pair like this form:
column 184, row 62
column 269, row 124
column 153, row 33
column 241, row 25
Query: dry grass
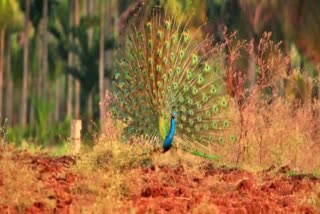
column 276, row 134
column 21, row 186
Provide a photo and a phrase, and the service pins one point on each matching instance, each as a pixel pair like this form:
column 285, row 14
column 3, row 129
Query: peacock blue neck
column 168, row 140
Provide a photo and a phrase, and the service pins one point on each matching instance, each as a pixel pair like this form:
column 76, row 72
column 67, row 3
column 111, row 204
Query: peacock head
column 174, row 114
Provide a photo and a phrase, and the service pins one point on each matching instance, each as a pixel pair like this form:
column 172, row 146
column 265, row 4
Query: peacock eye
column 149, row 25
column 167, row 24
column 159, row 34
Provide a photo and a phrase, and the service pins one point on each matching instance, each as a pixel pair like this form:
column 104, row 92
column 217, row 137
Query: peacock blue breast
column 169, row 138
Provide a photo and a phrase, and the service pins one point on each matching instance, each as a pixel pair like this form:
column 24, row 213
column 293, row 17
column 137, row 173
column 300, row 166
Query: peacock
column 169, row 84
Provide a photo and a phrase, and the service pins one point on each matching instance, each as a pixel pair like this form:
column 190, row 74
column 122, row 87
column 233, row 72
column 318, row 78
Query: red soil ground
column 220, row 190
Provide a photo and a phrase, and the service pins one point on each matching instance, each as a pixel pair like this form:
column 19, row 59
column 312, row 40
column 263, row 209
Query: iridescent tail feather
column 161, row 67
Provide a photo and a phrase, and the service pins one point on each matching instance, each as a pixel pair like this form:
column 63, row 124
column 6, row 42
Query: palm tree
column 10, row 16
column 24, row 94
column 101, row 59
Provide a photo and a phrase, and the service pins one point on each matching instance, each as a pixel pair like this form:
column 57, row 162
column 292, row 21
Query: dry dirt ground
column 219, row 190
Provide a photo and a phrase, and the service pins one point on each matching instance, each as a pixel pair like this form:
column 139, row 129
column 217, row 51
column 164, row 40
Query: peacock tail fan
column 163, row 66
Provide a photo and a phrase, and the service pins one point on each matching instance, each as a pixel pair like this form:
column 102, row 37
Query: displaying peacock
column 169, row 84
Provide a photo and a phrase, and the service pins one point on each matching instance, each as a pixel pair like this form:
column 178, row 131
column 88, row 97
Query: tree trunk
column 2, row 44
column 101, row 61
column 88, row 11
column 77, row 82
column 58, row 99
column 90, row 109
column 9, row 84
column 70, row 63
column 25, row 66
column 39, row 76
column 44, row 67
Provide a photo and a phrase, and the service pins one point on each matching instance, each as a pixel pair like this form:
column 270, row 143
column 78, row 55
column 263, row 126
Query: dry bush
column 276, row 119
column 110, row 130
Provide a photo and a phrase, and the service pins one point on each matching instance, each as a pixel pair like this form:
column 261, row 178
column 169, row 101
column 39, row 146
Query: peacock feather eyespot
column 149, row 26
column 172, row 57
column 186, row 88
column 159, row 53
column 205, row 98
column 127, row 75
column 213, row 89
column 215, row 125
column 226, row 123
column 191, row 122
column 178, row 70
column 150, row 61
column 232, row 138
column 165, row 61
column 158, row 68
column 121, row 84
column 152, row 77
column 189, row 74
column 167, row 24
column 159, row 34
column 134, row 101
column 190, row 112
column 224, row 102
column 117, row 75
column 183, row 118
column 190, row 102
column 174, row 39
column 182, row 54
column 183, row 109
column 141, row 36
column 175, row 86
column 150, row 43
column 123, row 63
column 221, row 140
column 132, row 56
column 200, row 80
column 195, row 59
column 195, row 90
column 181, row 99
column 167, row 44
column 206, row 127
column 206, row 68
column 159, row 84
column 171, row 72
column 165, row 78
column 185, row 36
column 144, row 73
column 215, row 109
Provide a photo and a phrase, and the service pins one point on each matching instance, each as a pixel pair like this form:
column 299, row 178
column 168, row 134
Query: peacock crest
column 163, row 68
